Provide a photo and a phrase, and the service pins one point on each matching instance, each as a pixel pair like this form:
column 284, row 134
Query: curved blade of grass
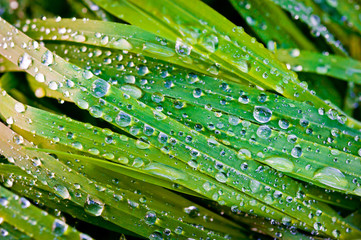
column 121, row 37
column 84, row 92
column 21, row 214
column 343, row 68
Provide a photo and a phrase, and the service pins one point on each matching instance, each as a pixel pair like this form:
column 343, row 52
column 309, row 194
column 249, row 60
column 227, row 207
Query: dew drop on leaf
column 25, row 61
column 100, row 88
column 332, row 177
column 262, row 114
column 280, row 164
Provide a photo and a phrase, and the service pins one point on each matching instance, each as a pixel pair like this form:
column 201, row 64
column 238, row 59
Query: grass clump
column 164, row 120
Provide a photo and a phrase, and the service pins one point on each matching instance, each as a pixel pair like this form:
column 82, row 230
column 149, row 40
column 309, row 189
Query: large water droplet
column 332, row 177
column 59, row 227
column 100, row 88
column 262, row 114
column 62, row 191
column 221, row 177
column 123, row 119
column 264, row 132
column 181, row 48
column 244, row 154
column 210, row 42
column 280, row 164
column 296, row 152
column 150, row 217
column 123, row 44
column 47, row 58
column 93, row 206
column 25, row 61
column 133, row 91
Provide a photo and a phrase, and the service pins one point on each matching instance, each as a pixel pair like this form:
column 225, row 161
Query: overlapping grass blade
column 334, row 157
column 36, row 223
column 339, row 67
column 231, row 49
column 260, row 16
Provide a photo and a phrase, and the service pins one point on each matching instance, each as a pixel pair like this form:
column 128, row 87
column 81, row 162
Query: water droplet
column 255, row 186
column 59, row 227
column 233, row 120
column 150, row 217
column 221, row 177
column 210, row 42
column 62, row 191
column 40, row 77
column 53, row 85
column 25, row 61
column 181, row 48
column 262, row 114
column 331, row 177
column 19, row 107
column 264, row 132
column 141, row 145
column 283, row 123
column 244, row 154
column 123, row 44
column 123, row 119
column 24, row 203
column 133, row 91
column 47, row 58
column 158, row 49
column 100, row 88
column 88, row 74
column 296, row 152
column 93, row 206
column 280, row 164
column 197, row 93
column 157, row 97
column 192, row 211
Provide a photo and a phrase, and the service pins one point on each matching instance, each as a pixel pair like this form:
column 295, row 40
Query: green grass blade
column 21, row 213
column 335, row 66
column 260, row 16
